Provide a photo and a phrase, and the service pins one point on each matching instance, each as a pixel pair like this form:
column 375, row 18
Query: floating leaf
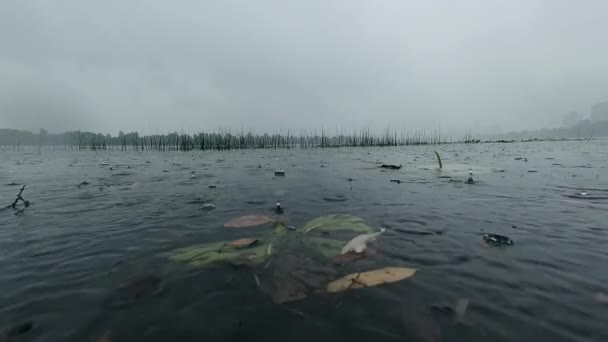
column 248, row 221
column 211, row 254
column 359, row 243
column 327, row 235
column 294, row 278
column 348, row 257
column 370, row 278
column 242, row 243
column 337, row 222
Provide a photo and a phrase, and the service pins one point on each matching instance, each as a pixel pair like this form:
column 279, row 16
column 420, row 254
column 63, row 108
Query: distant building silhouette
column 599, row 112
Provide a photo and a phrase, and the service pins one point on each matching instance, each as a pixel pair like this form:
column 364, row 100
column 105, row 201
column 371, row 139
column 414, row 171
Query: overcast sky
column 159, row 66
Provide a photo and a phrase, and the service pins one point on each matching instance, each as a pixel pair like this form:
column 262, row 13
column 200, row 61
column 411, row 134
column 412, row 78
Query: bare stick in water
column 20, row 198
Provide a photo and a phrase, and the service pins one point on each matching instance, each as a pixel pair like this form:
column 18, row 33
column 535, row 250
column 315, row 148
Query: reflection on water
column 88, row 259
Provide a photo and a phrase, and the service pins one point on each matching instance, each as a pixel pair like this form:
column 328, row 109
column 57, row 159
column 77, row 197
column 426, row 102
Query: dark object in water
column 279, row 173
column 395, row 181
column 20, row 329
column 337, row 198
column 212, row 186
column 20, row 198
column 136, row 290
column 532, row 171
column 83, row 183
column 470, row 180
column 497, row 240
column 518, row 158
column 278, row 209
column 390, row 167
column 350, row 179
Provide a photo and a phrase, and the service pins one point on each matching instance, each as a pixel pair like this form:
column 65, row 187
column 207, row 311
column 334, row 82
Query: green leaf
column 327, row 235
column 210, row 254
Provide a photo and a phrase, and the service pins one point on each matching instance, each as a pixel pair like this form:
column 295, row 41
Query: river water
column 64, row 260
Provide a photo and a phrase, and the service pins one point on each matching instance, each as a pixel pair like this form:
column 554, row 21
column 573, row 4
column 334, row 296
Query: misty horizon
column 153, row 67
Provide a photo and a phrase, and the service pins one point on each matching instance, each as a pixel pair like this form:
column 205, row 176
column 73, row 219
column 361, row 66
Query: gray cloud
column 269, row 65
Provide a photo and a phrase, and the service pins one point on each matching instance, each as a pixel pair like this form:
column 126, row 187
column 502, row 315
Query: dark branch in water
column 20, row 198
column 439, row 160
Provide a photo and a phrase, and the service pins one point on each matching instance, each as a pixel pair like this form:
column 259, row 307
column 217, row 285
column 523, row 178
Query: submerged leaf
column 337, row 222
column 359, row 243
column 370, row 278
column 248, row 221
column 348, row 257
column 327, row 235
column 211, row 254
column 242, row 243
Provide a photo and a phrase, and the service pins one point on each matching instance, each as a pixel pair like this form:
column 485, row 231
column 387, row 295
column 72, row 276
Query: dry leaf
column 371, row 278
column 348, row 257
column 242, row 243
column 248, row 221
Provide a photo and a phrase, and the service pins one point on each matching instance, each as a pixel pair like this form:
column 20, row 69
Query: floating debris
column 212, row 186
column 438, row 159
column 278, row 209
column 83, row 183
column 390, row 166
column 518, row 158
column 359, row 243
column 470, row 180
column 532, row 171
column 208, row 206
column 497, row 240
column 279, row 172
column 395, row 181
column 337, row 198
column 248, row 221
column 20, row 198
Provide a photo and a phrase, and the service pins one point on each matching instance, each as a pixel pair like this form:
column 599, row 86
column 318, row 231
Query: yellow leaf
column 242, row 243
column 371, row 278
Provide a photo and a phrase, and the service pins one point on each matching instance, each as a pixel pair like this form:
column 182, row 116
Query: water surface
column 63, row 259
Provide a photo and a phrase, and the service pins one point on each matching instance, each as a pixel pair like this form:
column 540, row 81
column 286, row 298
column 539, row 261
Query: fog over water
column 156, row 66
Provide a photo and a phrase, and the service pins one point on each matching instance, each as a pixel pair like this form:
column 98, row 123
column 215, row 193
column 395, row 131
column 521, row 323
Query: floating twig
column 20, row 198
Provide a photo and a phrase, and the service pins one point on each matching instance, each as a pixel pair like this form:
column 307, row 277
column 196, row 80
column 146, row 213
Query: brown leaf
column 242, row 243
column 248, row 221
column 370, row 278
column 348, row 257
